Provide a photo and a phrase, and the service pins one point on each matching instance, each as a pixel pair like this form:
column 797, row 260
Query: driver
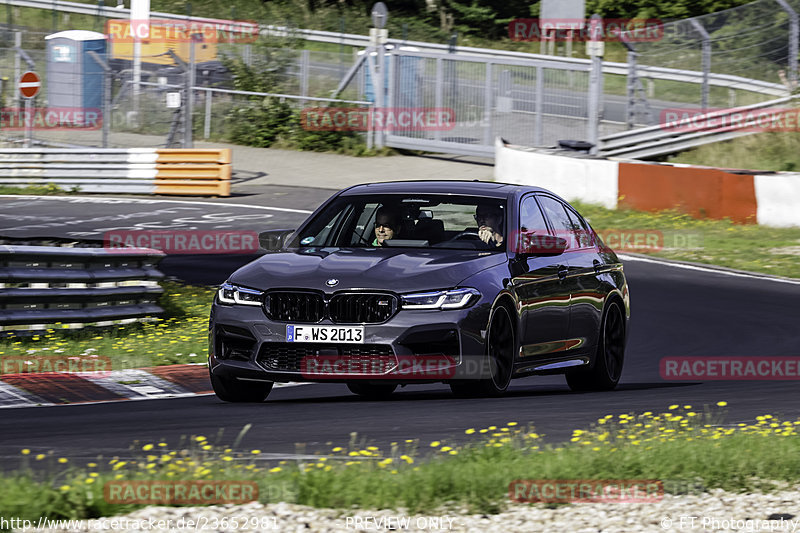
column 387, row 225
column 490, row 224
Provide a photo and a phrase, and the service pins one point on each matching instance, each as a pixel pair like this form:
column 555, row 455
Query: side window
column 583, row 233
column 530, row 217
column 557, row 215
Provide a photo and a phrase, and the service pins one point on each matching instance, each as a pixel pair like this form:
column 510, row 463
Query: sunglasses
column 384, row 225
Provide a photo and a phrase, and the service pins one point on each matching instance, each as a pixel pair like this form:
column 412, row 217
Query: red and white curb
column 56, row 388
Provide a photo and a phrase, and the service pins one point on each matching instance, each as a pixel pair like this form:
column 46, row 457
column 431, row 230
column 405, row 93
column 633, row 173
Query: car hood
column 396, row 270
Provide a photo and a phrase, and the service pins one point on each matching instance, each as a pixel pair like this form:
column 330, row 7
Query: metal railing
column 665, row 139
column 44, row 286
column 121, row 170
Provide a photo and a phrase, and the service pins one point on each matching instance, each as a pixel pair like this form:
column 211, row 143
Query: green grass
column 716, row 242
column 49, row 189
column 681, row 447
column 778, row 151
column 181, row 336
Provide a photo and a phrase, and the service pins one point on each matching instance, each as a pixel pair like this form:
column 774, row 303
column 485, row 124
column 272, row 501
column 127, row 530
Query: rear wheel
column 234, row 390
column 372, row 391
column 609, row 356
column 500, row 346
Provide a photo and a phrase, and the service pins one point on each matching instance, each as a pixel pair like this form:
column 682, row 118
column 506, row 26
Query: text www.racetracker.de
column 200, row 523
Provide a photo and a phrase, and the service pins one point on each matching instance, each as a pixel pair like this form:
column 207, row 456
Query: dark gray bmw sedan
column 386, row 284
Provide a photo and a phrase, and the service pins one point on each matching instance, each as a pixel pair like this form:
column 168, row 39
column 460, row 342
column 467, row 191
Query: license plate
column 329, row 334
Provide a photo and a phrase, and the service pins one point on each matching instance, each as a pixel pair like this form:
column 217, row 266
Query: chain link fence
column 756, row 41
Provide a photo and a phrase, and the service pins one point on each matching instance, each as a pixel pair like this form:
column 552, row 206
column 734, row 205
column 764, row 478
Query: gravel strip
column 712, row 511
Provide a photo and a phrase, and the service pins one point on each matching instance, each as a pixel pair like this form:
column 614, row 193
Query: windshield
column 408, row 221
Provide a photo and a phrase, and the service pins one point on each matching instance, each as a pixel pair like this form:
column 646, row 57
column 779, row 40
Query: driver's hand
column 485, row 233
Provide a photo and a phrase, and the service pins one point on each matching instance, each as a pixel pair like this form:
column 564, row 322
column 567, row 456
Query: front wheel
column 233, row 390
column 500, row 347
column 609, row 357
column 372, row 391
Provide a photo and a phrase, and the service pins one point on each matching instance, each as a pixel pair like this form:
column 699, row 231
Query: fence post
column 630, row 104
column 17, row 67
column 190, row 83
column 305, row 60
column 538, row 127
column 705, row 61
column 438, row 94
column 207, row 123
column 487, row 106
column 595, row 83
column 794, row 35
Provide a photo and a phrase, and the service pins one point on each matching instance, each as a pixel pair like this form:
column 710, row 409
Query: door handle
column 562, row 271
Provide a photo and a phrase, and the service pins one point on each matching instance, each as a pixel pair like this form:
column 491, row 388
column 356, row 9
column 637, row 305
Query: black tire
column 500, row 347
column 234, row 390
column 610, row 355
column 372, row 391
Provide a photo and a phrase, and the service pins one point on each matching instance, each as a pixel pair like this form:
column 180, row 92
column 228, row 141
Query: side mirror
column 530, row 243
column 274, row 239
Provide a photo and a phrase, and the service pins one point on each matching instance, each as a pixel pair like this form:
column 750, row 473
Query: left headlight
column 448, row 299
column 233, row 294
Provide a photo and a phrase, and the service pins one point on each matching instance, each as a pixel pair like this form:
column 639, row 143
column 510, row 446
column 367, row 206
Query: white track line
column 153, row 201
column 709, row 269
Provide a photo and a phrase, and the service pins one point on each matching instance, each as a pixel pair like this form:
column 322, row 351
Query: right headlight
column 233, row 294
column 446, row 299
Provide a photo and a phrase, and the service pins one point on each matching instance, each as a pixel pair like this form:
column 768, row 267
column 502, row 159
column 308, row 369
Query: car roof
column 480, row 188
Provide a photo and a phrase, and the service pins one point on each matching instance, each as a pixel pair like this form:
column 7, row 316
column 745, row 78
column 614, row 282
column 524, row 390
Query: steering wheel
column 467, row 235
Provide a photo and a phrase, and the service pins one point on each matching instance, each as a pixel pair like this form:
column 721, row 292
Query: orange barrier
column 700, row 192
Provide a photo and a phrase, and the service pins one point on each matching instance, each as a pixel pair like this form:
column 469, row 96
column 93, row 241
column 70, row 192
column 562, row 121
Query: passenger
column 490, row 224
column 387, row 225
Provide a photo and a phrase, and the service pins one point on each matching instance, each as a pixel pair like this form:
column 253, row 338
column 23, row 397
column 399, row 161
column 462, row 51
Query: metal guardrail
column 660, row 139
column 45, row 286
column 126, row 170
column 660, row 73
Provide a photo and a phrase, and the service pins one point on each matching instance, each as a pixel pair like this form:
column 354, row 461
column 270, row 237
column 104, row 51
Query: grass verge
column 716, row 242
column 777, row 151
column 181, row 336
column 49, row 189
column 679, row 444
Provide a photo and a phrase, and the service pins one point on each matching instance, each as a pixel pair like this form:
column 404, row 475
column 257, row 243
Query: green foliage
column 262, row 124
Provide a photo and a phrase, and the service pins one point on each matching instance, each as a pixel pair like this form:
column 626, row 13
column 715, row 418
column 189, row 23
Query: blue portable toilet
column 74, row 78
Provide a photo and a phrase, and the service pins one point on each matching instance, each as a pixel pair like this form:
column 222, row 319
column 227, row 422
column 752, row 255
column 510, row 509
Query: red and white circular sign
column 29, row 84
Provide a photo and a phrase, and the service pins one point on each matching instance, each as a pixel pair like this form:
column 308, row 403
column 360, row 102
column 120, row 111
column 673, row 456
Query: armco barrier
column 194, row 172
column 67, row 287
column 768, row 198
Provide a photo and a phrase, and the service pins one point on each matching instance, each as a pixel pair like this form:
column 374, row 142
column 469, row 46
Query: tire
column 372, row 391
column 233, row 390
column 608, row 359
column 500, row 347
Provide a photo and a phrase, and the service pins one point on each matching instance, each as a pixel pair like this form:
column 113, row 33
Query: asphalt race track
column 676, row 311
